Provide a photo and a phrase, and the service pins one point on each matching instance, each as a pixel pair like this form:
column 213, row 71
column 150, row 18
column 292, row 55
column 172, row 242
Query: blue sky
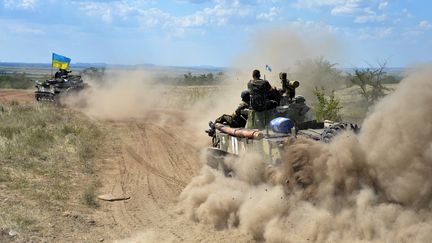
column 200, row 32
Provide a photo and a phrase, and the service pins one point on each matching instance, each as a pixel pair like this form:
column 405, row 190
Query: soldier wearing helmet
column 237, row 119
column 301, row 111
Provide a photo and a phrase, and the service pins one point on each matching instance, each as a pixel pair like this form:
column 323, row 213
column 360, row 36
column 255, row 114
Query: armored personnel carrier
column 266, row 133
column 53, row 89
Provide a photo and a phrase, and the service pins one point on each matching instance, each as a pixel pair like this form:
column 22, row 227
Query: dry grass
column 47, row 163
column 185, row 96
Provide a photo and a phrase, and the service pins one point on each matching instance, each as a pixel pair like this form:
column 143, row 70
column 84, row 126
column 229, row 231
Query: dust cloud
column 295, row 52
column 122, row 95
column 374, row 187
column 285, row 50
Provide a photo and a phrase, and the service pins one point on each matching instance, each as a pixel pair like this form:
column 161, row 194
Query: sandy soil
column 152, row 163
column 150, row 160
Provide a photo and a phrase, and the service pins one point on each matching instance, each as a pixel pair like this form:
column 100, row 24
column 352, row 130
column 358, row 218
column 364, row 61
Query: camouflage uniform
column 261, row 93
column 60, row 73
column 263, row 101
column 238, row 118
column 299, row 109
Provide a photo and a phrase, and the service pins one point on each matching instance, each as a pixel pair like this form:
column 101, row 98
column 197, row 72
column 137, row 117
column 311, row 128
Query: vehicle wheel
column 330, row 132
column 216, row 160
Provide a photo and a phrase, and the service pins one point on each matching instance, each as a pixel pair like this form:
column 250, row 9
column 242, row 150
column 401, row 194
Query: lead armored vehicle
column 266, row 133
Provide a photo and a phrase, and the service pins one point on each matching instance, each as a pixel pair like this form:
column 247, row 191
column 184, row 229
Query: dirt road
column 22, row 95
column 152, row 162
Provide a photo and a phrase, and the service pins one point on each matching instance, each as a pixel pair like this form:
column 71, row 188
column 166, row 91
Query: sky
column 214, row 32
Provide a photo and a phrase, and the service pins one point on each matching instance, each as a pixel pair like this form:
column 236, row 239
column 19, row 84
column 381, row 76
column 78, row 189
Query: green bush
column 327, row 107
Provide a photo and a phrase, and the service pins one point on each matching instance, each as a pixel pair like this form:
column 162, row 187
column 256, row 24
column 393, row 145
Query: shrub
column 89, row 197
column 327, row 107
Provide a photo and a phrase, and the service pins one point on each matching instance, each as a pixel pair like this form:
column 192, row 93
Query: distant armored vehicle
column 53, row 89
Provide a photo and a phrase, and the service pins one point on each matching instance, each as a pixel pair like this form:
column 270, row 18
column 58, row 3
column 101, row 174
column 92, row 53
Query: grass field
column 46, row 166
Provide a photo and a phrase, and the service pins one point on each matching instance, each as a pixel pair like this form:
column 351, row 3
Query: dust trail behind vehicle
column 375, row 187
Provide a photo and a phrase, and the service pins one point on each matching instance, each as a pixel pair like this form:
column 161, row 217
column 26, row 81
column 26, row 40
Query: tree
column 370, row 81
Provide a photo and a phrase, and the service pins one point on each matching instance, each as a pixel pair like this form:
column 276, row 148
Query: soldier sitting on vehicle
column 260, row 93
column 300, row 111
column 62, row 73
column 237, row 119
column 264, row 99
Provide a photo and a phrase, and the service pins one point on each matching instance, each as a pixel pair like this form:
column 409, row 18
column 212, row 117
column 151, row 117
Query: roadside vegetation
column 201, row 79
column 47, row 166
column 371, row 82
column 15, row 81
column 327, row 107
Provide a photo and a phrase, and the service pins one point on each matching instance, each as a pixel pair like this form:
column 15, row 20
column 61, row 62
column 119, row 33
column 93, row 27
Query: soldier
column 260, row 93
column 61, row 72
column 301, row 112
column 237, row 119
column 288, row 90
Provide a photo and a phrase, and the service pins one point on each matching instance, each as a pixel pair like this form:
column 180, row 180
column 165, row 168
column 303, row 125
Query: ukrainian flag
column 268, row 68
column 60, row 61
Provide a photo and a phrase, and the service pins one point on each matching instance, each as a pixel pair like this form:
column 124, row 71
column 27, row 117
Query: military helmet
column 283, row 76
column 300, row 99
column 245, row 95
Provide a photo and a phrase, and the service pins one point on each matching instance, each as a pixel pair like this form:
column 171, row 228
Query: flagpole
column 52, row 66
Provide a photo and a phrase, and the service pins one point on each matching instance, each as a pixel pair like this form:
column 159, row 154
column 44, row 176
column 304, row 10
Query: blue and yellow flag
column 268, row 68
column 60, row 61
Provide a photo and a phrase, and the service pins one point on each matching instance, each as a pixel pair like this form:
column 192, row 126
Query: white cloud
column 386, row 32
column 425, row 25
column 363, row 11
column 314, row 27
column 218, row 15
column 272, row 13
column 337, row 6
column 376, row 33
column 346, row 7
column 19, row 4
column 95, row 9
column 370, row 18
column 17, row 27
column 152, row 17
column 21, row 29
column 406, row 13
column 383, row 5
